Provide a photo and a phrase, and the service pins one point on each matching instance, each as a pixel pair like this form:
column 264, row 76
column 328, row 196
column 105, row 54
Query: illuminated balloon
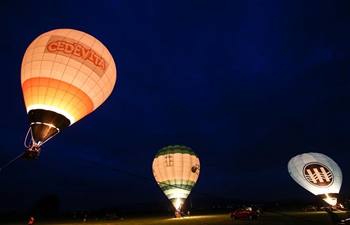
column 318, row 174
column 66, row 74
column 176, row 170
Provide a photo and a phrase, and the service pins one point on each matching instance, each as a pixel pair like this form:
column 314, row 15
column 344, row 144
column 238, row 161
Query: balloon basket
column 30, row 155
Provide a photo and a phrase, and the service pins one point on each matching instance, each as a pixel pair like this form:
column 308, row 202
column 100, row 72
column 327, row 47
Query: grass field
column 268, row 218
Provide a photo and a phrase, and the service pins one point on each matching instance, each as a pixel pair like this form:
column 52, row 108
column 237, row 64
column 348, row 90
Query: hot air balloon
column 176, row 170
column 65, row 75
column 318, row 174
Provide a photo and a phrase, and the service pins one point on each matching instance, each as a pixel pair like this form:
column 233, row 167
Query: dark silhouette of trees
column 47, row 206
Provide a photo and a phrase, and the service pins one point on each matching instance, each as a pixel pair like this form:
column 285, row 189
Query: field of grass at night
column 268, row 218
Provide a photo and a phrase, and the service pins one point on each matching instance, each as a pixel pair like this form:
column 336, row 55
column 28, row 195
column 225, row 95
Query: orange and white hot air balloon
column 66, row 74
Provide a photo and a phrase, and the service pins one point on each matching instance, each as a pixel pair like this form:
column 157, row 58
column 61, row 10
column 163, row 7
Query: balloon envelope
column 176, row 170
column 317, row 173
column 66, row 74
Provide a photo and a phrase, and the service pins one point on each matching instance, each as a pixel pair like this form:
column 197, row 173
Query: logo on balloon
column 82, row 53
column 318, row 175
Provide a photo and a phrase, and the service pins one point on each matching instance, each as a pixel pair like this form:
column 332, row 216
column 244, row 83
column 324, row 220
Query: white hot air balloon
column 318, row 174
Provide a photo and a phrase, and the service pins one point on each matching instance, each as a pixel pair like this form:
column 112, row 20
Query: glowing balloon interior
column 318, row 174
column 176, row 170
column 66, row 74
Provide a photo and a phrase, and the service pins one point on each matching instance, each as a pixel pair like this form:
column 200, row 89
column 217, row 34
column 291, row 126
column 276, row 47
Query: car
column 310, row 208
column 247, row 212
column 332, row 208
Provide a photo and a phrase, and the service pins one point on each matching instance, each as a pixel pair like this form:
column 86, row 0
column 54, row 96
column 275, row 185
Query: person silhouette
column 333, row 217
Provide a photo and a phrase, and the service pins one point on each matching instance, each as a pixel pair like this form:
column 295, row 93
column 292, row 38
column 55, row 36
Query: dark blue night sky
column 246, row 84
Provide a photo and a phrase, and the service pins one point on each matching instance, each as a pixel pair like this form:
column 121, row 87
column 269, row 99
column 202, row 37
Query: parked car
column 332, row 208
column 336, row 207
column 310, row 208
column 244, row 213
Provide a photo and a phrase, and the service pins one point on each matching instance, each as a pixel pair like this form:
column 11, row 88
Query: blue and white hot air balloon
column 318, row 174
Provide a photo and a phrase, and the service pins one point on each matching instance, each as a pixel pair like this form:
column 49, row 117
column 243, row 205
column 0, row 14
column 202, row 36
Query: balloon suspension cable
column 32, row 142
column 41, row 143
column 11, row 161
column 26, row 138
